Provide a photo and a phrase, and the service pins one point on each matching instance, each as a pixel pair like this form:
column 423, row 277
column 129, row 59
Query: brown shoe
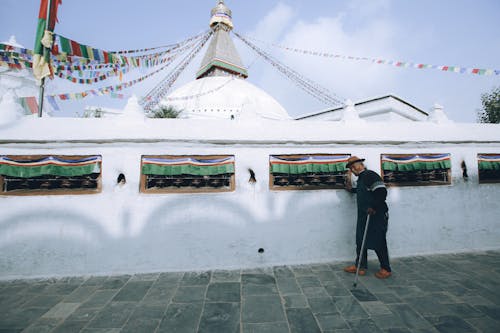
column 383, row 274
column 352, row 269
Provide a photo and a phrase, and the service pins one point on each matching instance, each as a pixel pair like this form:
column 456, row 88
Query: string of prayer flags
column 402, row 64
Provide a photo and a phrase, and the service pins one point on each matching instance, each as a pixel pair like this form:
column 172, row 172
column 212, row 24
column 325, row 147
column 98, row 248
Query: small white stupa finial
column 438, row 116
column 133, row 110
column 349, row 113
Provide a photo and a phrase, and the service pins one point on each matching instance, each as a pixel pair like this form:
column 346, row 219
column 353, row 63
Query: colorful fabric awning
column 489, row 162
column 415, row 162
column 49, row 166
column 308, row 164
column 187, row 166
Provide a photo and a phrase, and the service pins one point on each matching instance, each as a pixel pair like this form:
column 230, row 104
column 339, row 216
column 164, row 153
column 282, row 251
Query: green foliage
column 165, row 112
column 490, row 113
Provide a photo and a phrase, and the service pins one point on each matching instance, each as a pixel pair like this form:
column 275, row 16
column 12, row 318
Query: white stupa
column 220, row 90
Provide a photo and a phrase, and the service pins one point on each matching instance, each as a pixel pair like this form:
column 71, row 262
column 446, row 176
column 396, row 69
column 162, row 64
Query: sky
column 445, row 32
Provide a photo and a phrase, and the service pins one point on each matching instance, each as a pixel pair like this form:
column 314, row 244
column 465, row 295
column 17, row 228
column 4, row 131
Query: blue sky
column 460, row 32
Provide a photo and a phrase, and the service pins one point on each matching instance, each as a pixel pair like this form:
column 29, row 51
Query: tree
column 490, row 112
column 165, row 112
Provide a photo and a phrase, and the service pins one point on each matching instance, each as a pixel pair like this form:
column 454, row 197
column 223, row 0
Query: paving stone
column 288, row 286
column 181, row 318
column 80, row 294
column 160, row 294
column 258, row 270
column 397, row 330
column 69, row 326
column 337, row 291
column 61, row 310
column 113, row 315
column 302, row 321
column 376, row 308
column 406, row 291
column 364, row 326
column 60, row 289
column 331, row 321
column 249, row 289
column 220, row 317
column 315, row 292
column 226, row 276
column 133, row 291
column 262, row 309
column 115, row 282
column 363, row 295
column 484, row 324
column 490, row 311
column 388, row 298
column 83, row 314
column 295, row 301
column 266, row 328
column 322, row 305
column 195, row 279
column 326, row 276
column 137, row 325
column 224, row 292
column 147, row 311
column 190, row 294
column 43, row 301
column 41, row 325
column 308, row 281
column 101, row 330
column 261, row 279
column 452, row 324
column 349, row 307
column 283, row 272
column 20, row 318
column 408, row 316
column 99, row 298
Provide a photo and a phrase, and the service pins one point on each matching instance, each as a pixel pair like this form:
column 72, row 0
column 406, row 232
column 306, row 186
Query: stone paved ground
column 448, row 293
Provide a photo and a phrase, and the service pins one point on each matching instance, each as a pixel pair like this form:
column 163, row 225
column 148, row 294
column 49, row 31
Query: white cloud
column 350, row 79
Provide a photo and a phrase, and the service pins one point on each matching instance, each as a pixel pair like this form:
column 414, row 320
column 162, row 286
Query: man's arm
column 348, row 182
column 377, row 187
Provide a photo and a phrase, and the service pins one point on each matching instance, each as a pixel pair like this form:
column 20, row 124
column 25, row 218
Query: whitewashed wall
column 123, row 231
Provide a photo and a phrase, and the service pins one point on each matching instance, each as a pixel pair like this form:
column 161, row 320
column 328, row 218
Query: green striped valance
column 49, row 166
column 489, row 162
column 416, row 162
column 187, row 166
column 308, row 164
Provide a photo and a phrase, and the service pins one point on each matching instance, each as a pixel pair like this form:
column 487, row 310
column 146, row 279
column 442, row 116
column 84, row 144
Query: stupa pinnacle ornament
column 222, row 58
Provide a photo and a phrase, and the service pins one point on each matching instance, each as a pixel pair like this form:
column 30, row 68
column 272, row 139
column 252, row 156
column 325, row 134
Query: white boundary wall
column 123, row 231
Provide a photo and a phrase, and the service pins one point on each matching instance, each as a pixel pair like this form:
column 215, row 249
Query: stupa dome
column 223, row 97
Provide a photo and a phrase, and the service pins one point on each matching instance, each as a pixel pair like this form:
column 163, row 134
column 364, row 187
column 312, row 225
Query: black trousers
column 382, row 254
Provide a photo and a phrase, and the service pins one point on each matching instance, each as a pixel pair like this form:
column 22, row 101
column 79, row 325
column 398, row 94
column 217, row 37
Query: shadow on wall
column 187, row 232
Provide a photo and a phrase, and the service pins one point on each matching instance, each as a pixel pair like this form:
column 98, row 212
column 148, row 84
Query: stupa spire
column 222, row 58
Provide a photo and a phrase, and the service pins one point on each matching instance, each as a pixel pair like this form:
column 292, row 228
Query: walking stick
column 362, row 251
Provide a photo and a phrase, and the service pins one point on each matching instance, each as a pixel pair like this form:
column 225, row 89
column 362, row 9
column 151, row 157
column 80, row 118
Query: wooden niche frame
column 422, row 181
column 306, row 187
column 186, row 189
column 54, row 191
column 486, row 181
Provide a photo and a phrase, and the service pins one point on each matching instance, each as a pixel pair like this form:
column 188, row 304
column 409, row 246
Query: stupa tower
column 222, row 58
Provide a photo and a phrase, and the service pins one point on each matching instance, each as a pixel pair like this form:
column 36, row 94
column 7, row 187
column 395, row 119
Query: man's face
column 357, row 168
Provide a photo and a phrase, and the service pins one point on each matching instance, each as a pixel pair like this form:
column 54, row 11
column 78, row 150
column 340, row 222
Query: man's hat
column 352, row 160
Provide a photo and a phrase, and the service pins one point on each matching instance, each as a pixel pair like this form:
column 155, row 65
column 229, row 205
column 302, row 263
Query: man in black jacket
column 370, row 194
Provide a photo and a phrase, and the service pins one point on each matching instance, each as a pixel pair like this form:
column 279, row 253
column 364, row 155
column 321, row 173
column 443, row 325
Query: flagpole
column 45, row 54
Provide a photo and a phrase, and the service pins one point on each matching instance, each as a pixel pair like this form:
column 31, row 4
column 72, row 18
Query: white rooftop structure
column 384, row 108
